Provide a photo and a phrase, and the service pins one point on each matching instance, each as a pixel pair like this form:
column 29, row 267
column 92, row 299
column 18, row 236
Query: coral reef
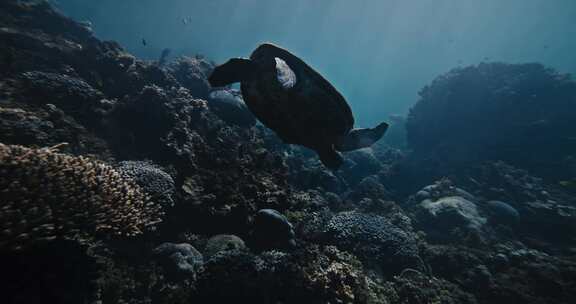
column 518, row 113
column 192, row 73
column 313, row 274
column 71, row 95
column 473, row 214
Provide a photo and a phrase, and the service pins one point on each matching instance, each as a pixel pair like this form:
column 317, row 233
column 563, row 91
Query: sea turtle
column 295, row 101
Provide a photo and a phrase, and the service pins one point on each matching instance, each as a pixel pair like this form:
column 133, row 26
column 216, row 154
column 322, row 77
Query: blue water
column 378, row 53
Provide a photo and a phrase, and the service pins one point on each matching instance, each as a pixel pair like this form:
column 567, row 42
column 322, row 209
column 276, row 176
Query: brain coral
column 153, row 180
column 373, row 237
column 46, row 195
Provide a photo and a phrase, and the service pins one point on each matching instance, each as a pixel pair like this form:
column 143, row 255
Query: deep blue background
column 378, row 53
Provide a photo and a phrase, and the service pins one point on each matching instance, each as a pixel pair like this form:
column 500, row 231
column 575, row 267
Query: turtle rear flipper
column 361, row 138
column 330, row 158
column 234, row 70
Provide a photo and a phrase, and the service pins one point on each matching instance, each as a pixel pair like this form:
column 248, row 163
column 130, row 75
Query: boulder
column 272, row 230
column 223, row 242
column 448, row 213
column 229, row 106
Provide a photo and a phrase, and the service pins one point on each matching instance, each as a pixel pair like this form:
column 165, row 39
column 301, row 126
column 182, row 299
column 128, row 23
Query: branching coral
column 46, row 195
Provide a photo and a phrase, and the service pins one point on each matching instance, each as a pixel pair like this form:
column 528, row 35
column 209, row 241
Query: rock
column 441, row 188
column 480, row 277
column 229, row 106
column 223, row 242
column 465, row 194
column 423, row 194
column 272, row 230
column 373, row 239
column 500, row 260
column 448, row 213
column 179, row 260
column 502, row 213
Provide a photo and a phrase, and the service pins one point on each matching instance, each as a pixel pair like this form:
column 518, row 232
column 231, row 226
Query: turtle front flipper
column 330, row 157
column 234, row 70
column 361, row 138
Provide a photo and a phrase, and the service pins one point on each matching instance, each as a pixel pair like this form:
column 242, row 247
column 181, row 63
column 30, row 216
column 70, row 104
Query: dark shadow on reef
column 127, row 181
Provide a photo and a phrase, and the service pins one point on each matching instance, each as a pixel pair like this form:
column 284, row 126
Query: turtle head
column 234, row 70
column 361, row 138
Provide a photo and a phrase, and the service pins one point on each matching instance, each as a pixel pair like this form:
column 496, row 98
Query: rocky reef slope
column 127, row 181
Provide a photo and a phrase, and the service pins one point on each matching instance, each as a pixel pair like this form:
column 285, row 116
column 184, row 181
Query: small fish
column 144, row 43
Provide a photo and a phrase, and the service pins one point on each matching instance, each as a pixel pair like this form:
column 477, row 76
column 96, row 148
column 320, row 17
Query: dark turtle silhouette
column 295, row 101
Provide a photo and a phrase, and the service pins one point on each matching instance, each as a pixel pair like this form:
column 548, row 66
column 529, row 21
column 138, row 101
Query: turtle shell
column 294, row 100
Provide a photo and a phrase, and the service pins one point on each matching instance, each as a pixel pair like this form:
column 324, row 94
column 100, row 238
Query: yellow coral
column 46, row 195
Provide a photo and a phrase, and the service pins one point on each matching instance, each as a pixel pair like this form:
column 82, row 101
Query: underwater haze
column 378, row 53
column 133, row 168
